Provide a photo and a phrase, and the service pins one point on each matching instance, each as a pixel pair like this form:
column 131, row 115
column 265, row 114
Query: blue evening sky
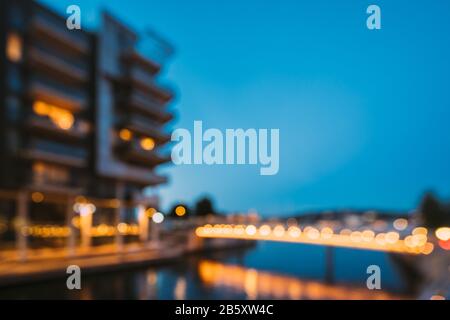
column 363, row 115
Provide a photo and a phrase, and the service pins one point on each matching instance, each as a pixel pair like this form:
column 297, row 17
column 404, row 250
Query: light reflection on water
column 268, row 271
column 265, row 285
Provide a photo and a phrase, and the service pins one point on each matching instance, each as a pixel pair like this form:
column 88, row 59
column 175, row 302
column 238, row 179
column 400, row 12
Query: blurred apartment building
column 81, row 121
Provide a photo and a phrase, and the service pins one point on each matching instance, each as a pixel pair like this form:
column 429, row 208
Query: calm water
column 267, row 271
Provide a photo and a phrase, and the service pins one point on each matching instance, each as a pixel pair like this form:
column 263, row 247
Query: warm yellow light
column 76, row 221
column 250, row 230
column 46, row 231
column 80, row 199
column 428, row 248
column 278, row 231
column 228, row 229
column 180, row 211
column 217, row 228
column 125, row 135
column 356, row 236
column 122, row 227
column 390, row 242
column 313, row 233
column 443, row 233
column 368, row 235
column 60, row 117
column 264, row 230
column 147, row 144
column 420, row 231
column 239, row 230
column 41, row 108
column 14, row 47
column 150, row 212
column 400, row 224
column 419, row 239
column 437, row 297
column 206, row 229
column 392, row 237
column 409, row 242
column 294, row 231
column 380, row 239
column 326, row 233
column 37, row 197
column 84, row 208
column 114, row 203
column 64, row 121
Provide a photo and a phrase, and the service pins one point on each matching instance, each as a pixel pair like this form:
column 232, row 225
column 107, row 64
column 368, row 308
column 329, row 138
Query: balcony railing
column 148, row 106
column 131, row 57
column 49, row 151
column 44, row 183
column 55, row 65
column 80, row 130
column 55, row 29
column 132, row 152
column 146, row 127
column 57, row 94
column 146, row 82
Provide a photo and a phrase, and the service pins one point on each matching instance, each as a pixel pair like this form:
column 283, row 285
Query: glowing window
column 147, row 144
column 14, row 47
column 125, row 135
column 60, row 117
column 44, row 173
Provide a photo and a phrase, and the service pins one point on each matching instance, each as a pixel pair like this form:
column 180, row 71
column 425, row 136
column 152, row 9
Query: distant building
column 81, row 120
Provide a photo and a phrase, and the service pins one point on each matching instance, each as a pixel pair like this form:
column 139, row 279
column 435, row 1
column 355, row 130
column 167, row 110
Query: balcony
column 56, row 66
column 138, row 175
column 146, row 127
column 144, row 177
column 79, row 131
column 145, row 82
column 46, row 26
column 133, row 57
column 132, row 152
column 54, row 179
column 148, row 106
column 57, row 94
column 56, row 153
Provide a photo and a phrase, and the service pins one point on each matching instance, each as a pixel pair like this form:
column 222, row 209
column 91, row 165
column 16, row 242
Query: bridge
column 415, row 243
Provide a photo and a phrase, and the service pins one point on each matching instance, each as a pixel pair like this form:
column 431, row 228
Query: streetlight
column 180, row 211
column 157, row 219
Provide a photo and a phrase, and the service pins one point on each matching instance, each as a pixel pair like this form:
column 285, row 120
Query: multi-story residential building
column 81, row 121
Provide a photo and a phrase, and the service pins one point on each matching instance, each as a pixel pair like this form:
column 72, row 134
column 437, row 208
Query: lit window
column 14, row 47
column 125, row 135
column 60, row 117
column 37, row 197
column 147, row 144
column 44, row 173
column 41, row 108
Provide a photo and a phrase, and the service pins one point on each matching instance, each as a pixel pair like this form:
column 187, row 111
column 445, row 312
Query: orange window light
column 147, row 144
column 14, row 47
column 125, row 135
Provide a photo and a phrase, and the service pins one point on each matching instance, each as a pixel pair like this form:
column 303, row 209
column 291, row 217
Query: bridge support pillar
column 329, row 264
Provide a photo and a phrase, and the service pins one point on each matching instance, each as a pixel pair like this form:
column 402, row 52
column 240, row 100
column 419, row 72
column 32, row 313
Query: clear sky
column 363, row 115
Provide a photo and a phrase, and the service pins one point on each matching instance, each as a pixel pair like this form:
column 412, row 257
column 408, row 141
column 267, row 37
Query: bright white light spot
column 158, row 217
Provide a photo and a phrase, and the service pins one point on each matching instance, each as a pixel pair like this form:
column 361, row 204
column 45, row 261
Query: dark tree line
column 434, row 213
column 201, row 208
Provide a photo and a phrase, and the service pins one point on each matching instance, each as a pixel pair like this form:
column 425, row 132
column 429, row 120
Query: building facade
column 81, row 126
